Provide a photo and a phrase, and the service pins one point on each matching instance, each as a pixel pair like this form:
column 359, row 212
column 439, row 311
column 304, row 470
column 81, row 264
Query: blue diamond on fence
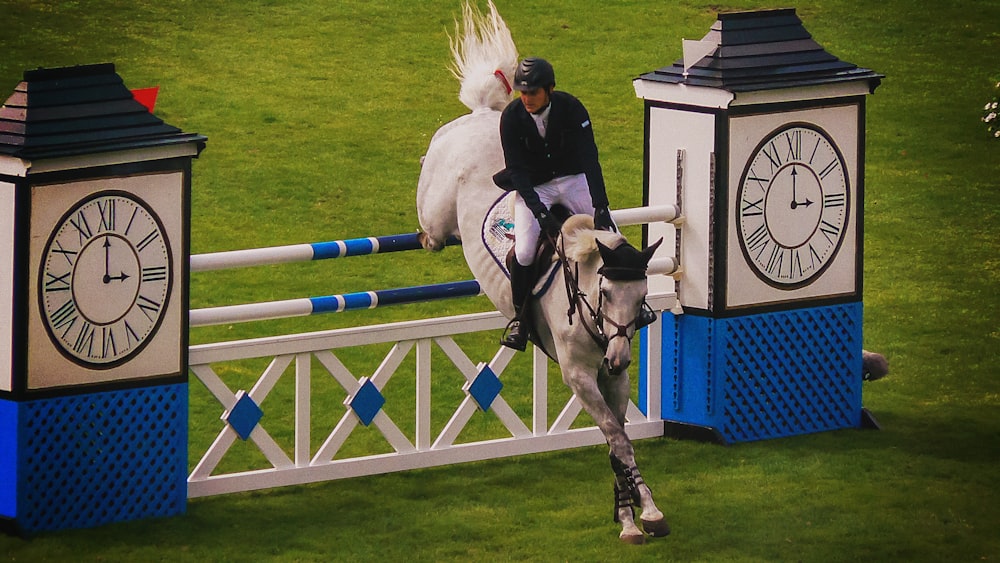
column 367, row 401
column 244, row 415
column 485, row 388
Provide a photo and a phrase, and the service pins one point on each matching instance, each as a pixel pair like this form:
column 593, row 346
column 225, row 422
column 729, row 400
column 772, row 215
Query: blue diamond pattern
column 367, row 401
column 485, row 388
column 244, row 415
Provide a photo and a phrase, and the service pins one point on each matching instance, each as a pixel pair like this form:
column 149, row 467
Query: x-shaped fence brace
column 243, row 413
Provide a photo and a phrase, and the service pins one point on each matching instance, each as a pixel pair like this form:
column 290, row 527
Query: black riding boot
column 520, row 289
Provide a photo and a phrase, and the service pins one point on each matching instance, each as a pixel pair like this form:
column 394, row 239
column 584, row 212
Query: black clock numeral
column 753, row 208
column 149, row 307
column 830, row 231
column 814, row 256
column 815, row 148
column 758, row 239
column 835, row 163
column 57, row 283
column 131, row 219
column 761, row 182
column 85, row 339
column 154, row 273
column 794, row 139
column 64, row 316
column 834, row 200
column 772, row 155
column 147, row 240
column 69, row 255
column 82, row 227
column 107, row 211
column 108, row 340
column 131, row 335
column 796, row 266
column 775, row 261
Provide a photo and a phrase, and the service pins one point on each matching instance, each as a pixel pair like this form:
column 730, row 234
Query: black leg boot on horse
column 627, row 497
column 521, row 279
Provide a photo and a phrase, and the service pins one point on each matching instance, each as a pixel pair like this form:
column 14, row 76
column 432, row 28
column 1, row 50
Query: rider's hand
column 550, row 226
column 602, row 219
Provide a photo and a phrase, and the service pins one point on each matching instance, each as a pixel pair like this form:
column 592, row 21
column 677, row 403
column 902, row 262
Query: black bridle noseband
column 578, row 299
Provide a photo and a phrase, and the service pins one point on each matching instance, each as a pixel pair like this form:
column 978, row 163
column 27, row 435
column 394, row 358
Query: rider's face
column 535, row 100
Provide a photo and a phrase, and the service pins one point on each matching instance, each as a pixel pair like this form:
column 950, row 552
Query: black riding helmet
column 534, row 73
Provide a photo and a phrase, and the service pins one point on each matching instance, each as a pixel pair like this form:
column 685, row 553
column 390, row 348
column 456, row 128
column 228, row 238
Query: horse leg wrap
column 627, row 481
column 623, row 499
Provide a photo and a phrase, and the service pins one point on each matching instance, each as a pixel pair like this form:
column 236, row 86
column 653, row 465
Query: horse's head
column 623, row 294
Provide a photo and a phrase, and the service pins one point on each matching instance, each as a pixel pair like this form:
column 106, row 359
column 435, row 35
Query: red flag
column 146, row 96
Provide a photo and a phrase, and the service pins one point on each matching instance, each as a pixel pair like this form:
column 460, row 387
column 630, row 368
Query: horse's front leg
column 629, row 485
column 586, row 388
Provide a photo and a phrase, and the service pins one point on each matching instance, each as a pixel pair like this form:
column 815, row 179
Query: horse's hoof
column 656, row 528
column 633, row 539
column 428, row 243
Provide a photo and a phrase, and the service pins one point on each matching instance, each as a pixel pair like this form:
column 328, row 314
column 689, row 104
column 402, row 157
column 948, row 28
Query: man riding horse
column 550, row 158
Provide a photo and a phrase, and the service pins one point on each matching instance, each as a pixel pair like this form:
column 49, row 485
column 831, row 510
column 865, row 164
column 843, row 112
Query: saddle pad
column 498, row 230
column 498, row 238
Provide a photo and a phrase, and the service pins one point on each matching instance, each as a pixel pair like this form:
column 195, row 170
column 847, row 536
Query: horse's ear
column 647, row 253
column 606, row 253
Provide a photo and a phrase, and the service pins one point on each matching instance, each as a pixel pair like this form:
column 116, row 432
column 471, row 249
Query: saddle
column 544, row 263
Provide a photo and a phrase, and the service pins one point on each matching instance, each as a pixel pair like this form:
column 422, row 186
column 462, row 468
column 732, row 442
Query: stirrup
column 515, row 336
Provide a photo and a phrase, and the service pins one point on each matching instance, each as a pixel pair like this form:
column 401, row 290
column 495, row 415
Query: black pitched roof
column 763, row 50
column 79, row 110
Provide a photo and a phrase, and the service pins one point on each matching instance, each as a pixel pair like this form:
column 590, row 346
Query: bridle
column 578, row 302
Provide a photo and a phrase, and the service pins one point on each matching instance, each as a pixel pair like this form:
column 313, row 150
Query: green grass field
column 317, row 114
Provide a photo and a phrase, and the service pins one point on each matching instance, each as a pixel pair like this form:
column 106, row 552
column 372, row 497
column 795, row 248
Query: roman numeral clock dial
column 105, row 279
column 793, row 203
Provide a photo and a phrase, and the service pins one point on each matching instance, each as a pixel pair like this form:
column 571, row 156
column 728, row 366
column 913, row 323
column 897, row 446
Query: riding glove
column 602, row 219
column 550, row 226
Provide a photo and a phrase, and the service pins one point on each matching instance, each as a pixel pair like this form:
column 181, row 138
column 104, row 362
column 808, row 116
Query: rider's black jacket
column 567, row 149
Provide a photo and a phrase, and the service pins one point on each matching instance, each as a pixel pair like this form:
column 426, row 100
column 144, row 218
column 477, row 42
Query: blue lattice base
column 766, row 375
column 86, row 460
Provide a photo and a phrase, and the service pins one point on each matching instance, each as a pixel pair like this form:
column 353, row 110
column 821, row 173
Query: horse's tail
column 485, row 58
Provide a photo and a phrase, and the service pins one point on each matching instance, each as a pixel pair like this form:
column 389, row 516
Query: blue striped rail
column 367, row 299
column 307, row 252
column 332, row 303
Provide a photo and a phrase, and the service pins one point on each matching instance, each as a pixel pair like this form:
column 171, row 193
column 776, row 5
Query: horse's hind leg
column 629, row 485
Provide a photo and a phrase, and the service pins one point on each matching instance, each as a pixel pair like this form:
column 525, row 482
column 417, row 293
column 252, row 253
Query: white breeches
column 571, row 191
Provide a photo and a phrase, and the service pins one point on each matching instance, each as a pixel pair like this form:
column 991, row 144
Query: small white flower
column 993, row 105
column 990, row 117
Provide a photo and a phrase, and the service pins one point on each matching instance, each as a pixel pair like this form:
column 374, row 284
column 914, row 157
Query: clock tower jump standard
column 94, row 244
column 758, row 133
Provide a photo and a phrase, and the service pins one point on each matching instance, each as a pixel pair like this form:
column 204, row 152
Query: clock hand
column 122, row 277
column 795, row 202
column 107, row 260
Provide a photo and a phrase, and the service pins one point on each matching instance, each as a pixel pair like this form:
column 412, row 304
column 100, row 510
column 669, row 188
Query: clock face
column 792, row 206
column 105, row 279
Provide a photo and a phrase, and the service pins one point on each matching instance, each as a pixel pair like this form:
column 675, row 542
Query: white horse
column 603, row 282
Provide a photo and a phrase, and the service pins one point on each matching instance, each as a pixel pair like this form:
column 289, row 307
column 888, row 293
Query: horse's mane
column 482, row 45
column 580, row 238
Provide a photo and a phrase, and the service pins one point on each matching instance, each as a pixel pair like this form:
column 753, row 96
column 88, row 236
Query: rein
column 578, row 301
